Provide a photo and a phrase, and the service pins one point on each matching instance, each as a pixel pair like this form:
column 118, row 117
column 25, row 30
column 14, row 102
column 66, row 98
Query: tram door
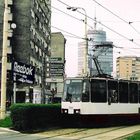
column 112, row 92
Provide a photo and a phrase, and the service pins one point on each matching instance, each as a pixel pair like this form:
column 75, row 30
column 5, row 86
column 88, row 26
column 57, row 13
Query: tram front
column 76, row 91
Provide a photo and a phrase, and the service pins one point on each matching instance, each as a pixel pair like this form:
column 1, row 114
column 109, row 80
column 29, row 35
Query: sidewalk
column 8, row 129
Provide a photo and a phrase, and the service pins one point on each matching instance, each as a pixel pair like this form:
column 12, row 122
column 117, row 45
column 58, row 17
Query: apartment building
column 128, row 68
column 28, row 43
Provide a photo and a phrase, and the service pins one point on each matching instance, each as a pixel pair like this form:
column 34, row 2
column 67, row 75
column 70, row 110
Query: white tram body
column 101, row 96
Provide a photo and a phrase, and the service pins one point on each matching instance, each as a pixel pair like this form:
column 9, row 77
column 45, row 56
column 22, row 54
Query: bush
column 6, row 122
column 34, row 116
column 27, row 117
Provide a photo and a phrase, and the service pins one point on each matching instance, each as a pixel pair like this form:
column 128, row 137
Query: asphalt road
column 6, row 134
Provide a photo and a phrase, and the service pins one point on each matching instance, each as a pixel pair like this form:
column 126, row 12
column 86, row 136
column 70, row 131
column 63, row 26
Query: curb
column 8, row 129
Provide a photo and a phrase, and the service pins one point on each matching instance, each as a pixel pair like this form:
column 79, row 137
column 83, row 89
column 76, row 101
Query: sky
column 119, row 18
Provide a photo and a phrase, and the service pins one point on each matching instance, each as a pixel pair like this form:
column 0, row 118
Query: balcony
column 9, row 50
column 10, row 2
column 10, row 33
column 10, row 16
column 9, row 66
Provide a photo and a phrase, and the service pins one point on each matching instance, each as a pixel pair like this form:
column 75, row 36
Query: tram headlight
column 77, row 111
column 64, row 111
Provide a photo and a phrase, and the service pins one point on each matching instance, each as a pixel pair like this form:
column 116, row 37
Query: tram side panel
column 108, row 97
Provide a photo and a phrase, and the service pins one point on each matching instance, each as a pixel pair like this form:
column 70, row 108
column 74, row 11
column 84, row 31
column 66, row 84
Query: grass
column 7, row 122
column 134, row 137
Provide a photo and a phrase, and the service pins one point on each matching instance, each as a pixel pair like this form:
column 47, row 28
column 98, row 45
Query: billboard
column 23, row 73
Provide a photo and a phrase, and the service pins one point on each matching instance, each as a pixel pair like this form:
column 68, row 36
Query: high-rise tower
column 97, row 47
column 28, row 43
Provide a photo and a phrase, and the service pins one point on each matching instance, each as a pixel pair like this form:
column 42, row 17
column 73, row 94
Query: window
column 31, row 62
column 139, row 92
column 113, row 91
column 133, row 91
column 9, row 58
column 37, row 6
column 32, row 13
column 40, row 25
column 72, row 90
column 39, row 9
column 123, row 92
column 98, row 91
column 85, row 92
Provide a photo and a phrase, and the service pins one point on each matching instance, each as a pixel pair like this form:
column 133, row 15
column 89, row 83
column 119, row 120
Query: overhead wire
column 74, row 18
column 75, row 36
column 117, row 33
column 127, row 22
column 131, row 40
column 71, row 16
column 66, row 13
column 130, row 50
column 70, row 34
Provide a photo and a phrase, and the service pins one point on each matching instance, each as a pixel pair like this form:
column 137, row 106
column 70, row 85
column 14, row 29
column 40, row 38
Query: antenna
column 95, row 21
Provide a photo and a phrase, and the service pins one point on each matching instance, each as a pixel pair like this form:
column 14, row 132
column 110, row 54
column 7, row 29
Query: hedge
column 34, row 116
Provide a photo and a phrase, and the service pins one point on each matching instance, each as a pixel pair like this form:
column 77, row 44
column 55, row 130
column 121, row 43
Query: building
column 57, row 64
column 128, row 68
column 29, row 43
column 81, row 49
column 98, row 48
column 103, row 52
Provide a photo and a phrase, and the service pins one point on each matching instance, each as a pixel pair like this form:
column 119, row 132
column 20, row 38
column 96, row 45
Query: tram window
column 98, row 91
column 72, row 91
column 133, row 92
column 139, row 92
column 85, row 93
column 113, row 91
column 123, row 92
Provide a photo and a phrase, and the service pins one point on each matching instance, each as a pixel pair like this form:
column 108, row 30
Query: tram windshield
column 72, row 90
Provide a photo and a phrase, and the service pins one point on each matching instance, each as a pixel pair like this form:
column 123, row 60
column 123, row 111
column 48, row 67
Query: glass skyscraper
column 98, row 49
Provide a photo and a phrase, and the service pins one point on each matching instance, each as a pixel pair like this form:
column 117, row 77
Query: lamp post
column 4, row 62
column 85, row 73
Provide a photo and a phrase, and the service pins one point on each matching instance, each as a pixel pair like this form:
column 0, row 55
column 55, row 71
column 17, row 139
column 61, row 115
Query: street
column 107, row 133
column 6, row 134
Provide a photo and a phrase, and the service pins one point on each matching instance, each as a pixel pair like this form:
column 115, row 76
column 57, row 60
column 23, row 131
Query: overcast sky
column 117, row 28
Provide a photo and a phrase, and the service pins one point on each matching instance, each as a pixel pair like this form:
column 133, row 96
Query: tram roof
column 98, row 78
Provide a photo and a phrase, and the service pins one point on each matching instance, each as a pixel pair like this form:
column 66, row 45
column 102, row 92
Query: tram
column 101, row 96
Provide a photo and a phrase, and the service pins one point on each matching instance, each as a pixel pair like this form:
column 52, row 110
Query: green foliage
column 27, row 117
column 7, row 122
column 32, row 116
column 134, row 137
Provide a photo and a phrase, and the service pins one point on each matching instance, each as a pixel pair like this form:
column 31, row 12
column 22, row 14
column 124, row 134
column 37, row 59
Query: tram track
column 100, row 132
column 115, row 134
column 61, row 132
column 80, row 134
column 94, row 133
